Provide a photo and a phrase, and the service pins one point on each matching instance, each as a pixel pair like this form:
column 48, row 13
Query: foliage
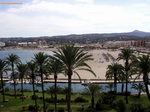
column 32, row 108
column 52, row 100
column 120, row 106
column 142, row 63
column 107, row 98
column 127, row 55
column 137, row 107
column 72, row 59
column 80, row 99
column 109, row 86
column 34, row 97
column 99, row 106
column 51, row 90
column 124, row 93
column 61, row 109
column 1, row 84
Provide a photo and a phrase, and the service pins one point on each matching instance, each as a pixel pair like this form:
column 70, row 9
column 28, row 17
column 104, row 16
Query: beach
column 98, row 65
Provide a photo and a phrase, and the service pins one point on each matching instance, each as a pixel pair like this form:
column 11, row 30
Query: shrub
column 137, row 107
column 100, row 107
column 7, row 89
column 80, row 99
column 123, row 93
column 90, row 110
column 50, row 110
column 61, row 110
column 34, row 97
column 36, row 90
column 41, row 98
column 52, row 100
column 120, row 106
column 107, row 98
column 31, row 108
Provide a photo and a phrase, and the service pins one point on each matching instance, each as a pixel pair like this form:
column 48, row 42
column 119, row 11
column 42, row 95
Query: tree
column 140, row 87
column 143, row 68
column 109, row 86
column 41, row 59
column 54, row 67
column 126, row 55
column 93, row 89
column 52, row 90
column 72, row 59
column 31, row 69
column 13, row 59
column 3, row 68
column 113, row 71
column 21, row 71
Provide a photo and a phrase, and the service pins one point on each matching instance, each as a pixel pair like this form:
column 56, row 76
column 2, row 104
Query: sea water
column 27, row 55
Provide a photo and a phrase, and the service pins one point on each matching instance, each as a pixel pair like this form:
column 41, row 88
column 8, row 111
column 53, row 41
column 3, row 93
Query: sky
column 33, row 18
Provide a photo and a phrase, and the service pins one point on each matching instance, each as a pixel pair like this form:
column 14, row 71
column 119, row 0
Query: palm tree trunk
column 15, row 88
column 22, row 89
column 92, row 101
column 34, row 92
column 44, row 106
column 69, row 93
column 2, row 87
column 14, row 79
column 126, row 71
column 145, row 79
column 115, row 85
column 122, row 87
column 139, row 94
column 126, row 98
column 55, row 77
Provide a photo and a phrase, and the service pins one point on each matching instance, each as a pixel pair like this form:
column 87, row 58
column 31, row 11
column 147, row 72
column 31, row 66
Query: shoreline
column 101, row 59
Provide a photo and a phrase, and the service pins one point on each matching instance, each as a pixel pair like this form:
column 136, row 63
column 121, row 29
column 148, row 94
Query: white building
column 2, row 44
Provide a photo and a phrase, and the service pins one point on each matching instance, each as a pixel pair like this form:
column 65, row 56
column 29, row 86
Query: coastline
column 98, row 64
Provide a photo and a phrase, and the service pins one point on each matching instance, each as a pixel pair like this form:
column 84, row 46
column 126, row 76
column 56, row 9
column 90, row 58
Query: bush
column 137, row 107
column 90, row 110
column 120, row 106
column 61, row 110
column 41, row 98
column 31, row 108
column 107, row 98
column 100, row 107
column 80, row 99
column 34, row 97
column 7, row 89
column 52, row 100
column 123, row 93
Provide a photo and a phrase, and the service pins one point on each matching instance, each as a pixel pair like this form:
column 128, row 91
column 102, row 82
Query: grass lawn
column 15, row 105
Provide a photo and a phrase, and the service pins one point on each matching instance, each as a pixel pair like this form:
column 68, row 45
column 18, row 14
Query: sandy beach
column 98, row 64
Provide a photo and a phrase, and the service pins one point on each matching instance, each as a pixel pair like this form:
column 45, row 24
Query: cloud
column 44, row 17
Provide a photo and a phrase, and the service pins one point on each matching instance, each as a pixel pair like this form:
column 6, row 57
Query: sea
column 27, row 55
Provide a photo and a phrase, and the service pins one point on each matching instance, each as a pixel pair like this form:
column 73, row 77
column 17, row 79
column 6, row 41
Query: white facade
column 2, row 44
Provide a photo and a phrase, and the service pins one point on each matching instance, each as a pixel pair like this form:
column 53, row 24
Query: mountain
column 138, row 33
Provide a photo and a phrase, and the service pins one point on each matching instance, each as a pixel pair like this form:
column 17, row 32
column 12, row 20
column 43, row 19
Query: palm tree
column 31, row 69
column 13, row 59
column 109, row 86
column 127, row 56
column 54, row 67
column 113, row 71
column 93, row 89
column 21, row 71
column 72, row 59
column 3, row 68
column 41, row 59
column 143, row 67
column 140, row 87
column 121, row 79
